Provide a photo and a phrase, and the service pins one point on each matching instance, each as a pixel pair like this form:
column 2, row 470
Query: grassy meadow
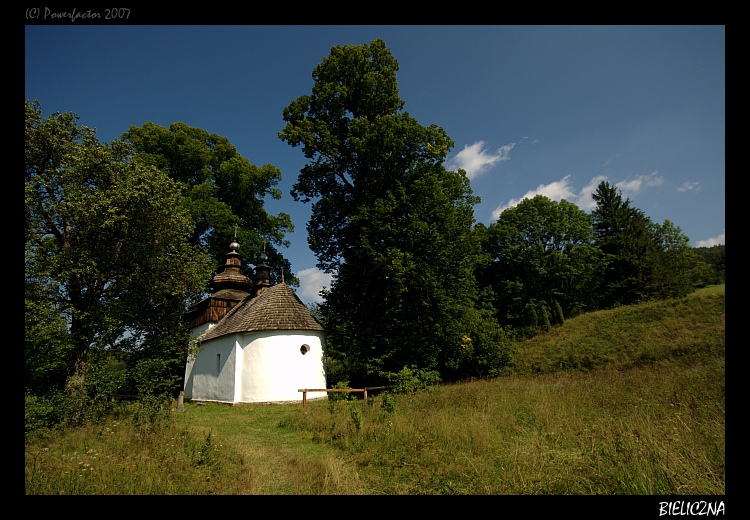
column 628, row 401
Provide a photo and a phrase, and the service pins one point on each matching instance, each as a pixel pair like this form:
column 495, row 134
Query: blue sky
column 531, row 109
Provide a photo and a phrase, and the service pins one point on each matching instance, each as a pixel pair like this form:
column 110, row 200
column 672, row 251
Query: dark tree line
column 551, row 260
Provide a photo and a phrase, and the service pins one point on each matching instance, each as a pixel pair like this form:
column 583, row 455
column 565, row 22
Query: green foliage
column 644, row 260
column 356, row 414
column 335, row 371
column 388, row 220
column 40, row 413
column 626, row 236
column 70, row 407
column 224, row 192
column 483, row 349
column 543, row 262
column 47, row 344
column 411, row 379
column 714, row 267
column 90, row 396
column 678, row 269
column 389, row 403
column 152, row 377
column 105, row 377
column 334, row 397
column 151, row 412
column 95, row 393
column 104, row 235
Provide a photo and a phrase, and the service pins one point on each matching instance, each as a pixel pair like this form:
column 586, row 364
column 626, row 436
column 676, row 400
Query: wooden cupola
column 262, row 275
column 229, row 285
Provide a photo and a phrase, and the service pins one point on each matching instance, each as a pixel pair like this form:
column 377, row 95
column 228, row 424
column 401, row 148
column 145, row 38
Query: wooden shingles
column 276, row 308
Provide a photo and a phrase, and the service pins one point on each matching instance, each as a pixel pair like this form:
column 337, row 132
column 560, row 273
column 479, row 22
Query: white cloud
column 475, row 159
column 585, row 201
column 714, row 241
column 562, row 189
column 689, row 186
column 311, row 281
column 557, row 190
column 611, row 159
column 633, row 186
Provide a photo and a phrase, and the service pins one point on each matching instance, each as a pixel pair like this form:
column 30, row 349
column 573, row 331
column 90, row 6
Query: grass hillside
column 624, row 401
column 685, row 330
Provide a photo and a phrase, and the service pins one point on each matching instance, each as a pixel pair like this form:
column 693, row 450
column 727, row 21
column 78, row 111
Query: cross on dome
column 234, row 246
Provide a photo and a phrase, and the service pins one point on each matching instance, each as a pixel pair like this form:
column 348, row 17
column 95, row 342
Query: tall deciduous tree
column 543, row 262
column 107, row 241
column 715, row 264
column 388, row 220
column 678, row 268
column 47, row 346
column 225, row 192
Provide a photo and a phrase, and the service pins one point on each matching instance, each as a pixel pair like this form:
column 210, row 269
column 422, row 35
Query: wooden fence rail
column 363, row 390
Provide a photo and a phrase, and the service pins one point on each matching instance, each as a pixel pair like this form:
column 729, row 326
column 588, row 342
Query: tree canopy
column 225, row 193
column 388, row 220
column 543, row 262
column 107, row 242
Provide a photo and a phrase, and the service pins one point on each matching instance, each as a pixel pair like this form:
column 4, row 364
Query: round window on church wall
column 304, row 349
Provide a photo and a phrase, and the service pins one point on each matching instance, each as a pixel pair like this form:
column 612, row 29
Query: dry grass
column 641, row 413
column 645, row 431
column 646, row 416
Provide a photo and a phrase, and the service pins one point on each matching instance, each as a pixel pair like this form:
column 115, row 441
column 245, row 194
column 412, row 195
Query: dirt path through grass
column 274, row 460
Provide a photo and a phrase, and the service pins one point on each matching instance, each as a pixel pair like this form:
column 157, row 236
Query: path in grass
column 275, row 460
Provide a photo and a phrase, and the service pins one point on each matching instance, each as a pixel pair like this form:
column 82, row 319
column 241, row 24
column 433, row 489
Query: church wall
column 197, row 331
column 274, row 368
column 211, row 376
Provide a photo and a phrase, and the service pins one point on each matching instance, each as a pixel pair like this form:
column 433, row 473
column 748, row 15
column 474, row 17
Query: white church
column 257, row 342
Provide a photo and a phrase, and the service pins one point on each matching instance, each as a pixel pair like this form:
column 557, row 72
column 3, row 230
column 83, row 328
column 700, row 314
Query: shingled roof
column 276, row 308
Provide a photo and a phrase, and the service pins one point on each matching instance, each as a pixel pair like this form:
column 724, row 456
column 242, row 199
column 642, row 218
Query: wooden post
column 304, row 398
column 180, row 402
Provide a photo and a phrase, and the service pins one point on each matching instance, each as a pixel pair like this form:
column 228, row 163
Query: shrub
column 357, row 416
column 340, row 396
column 410, row 379
column 40, row 413
column 389, row 403
column 484, row 349
column 104, row 378
column 150, row 411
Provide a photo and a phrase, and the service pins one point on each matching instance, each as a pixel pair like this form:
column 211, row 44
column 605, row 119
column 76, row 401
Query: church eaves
column 276, row 308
